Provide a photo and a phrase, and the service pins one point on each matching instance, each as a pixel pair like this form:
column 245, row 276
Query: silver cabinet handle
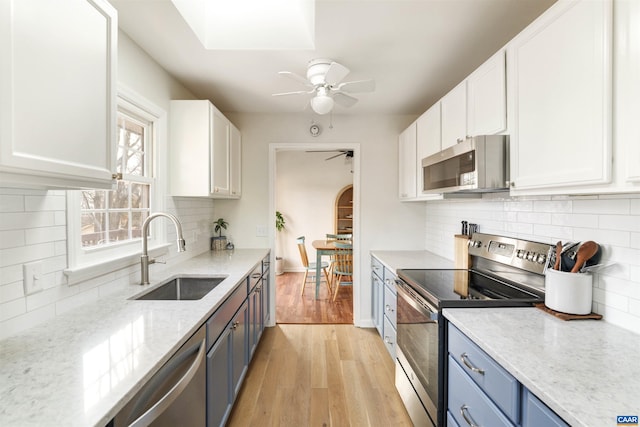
column 459, row 140
column 388, row 308
column 464, row 358
column 388, row 340
column 464, row 410
column 161, row 405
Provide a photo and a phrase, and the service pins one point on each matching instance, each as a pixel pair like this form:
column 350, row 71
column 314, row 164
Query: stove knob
column 542, row 258
column 530, row 256
column 477, row 243
column 520, row 253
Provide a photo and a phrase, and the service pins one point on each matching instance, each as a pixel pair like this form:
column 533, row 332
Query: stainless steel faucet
column 144, row 259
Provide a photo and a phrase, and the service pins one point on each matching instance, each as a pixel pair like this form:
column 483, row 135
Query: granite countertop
column 586, row 371
column 81, row 368
column 397, row 260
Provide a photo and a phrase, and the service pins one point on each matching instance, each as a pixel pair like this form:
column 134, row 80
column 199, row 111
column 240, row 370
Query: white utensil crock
column 568, row 292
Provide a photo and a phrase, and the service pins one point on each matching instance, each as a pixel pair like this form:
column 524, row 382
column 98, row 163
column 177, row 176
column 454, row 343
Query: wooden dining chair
column 342, row 274
column 336, row 238
column 311, row 266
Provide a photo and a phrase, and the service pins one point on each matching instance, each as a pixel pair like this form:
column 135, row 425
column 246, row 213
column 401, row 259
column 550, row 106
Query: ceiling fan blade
column 344, row 99
column 295, row 77
column 335, row 73
column 297, row 92
column 358, row 86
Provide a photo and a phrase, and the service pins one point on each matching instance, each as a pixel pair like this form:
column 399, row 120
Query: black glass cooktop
column 466, row 288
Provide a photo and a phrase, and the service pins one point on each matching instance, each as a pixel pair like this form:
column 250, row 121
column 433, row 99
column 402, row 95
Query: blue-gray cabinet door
column 219, row 391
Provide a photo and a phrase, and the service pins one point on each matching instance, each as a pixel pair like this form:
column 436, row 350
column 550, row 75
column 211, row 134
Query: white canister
column 568, row 292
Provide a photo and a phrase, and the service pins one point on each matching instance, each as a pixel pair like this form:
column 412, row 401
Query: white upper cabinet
column 560, row 87
column 454, row 116
column 200, row 150
column 58, row 93
column 428, row 133
column 236, row 162
column 220, row 152
column 487, row 97
column 627, row 93
column 407, row 177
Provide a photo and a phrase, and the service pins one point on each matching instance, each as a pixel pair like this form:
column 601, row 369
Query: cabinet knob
column 117, row 176
column 459, row 140
column 388, row 308
column 388, row 340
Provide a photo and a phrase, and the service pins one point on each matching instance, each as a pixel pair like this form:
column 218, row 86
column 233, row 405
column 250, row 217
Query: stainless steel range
column 505, row 272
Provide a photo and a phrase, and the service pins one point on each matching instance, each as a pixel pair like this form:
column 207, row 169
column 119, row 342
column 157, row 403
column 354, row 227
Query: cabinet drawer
column 493, row 379
column 390, row 305
column 389, row 337
column 255, row 276
column 222, row 316
column 535, row 413
column 377, row 268
column 468, row 404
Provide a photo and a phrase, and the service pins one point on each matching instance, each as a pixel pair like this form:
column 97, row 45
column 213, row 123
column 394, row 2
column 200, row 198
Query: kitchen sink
column 182, row 288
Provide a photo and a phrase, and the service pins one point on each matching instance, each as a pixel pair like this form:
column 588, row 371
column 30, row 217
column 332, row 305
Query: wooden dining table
column 322, row 247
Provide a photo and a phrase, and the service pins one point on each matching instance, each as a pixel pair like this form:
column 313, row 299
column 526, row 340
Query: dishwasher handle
column 165, row 401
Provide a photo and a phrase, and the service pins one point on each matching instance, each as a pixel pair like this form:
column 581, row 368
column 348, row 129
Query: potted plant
column 219, row 242
column 279, row 227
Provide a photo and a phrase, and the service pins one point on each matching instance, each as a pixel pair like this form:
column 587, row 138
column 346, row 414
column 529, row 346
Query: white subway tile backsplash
column 574, row 220
column 619, row 222
column 11, row 291
column 47, row 202
column 25, row 220
column 12, row 308
column 11, row 203
column 23, row 254
column 45, row 234
column 11, row 239
column 612, row 221
column 602, row 206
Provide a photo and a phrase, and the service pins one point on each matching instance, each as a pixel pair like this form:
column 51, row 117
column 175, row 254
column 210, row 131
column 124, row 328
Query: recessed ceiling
column 415, row 50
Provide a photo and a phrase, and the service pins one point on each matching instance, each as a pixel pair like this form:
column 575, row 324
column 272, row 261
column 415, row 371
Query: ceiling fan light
column 322, row 104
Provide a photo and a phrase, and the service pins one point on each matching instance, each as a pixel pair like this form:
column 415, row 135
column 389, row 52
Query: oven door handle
column 415, row 300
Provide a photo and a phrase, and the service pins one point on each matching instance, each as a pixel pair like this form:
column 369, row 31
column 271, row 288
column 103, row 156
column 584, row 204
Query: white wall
column 33, row 222
column 611, row 221
column 306, row 189
column 385, row 222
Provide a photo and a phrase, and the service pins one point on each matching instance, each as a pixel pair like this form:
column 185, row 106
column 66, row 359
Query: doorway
column 305, row 180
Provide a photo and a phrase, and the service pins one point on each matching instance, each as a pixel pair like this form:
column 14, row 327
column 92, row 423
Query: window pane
column 93, row 199
column 140, row 195
column 137, row 218
column 118, row 226
column 93, row 229
column 134, row 164
column 119, row 198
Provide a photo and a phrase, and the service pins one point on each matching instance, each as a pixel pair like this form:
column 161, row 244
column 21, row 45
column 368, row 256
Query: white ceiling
column 416, row 50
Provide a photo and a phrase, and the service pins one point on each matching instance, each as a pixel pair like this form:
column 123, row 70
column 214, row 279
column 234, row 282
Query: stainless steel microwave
column 477, row 164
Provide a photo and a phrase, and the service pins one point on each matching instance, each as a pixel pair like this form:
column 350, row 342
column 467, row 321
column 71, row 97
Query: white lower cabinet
column 561, row 91
column 481, row 392
column 58, row 93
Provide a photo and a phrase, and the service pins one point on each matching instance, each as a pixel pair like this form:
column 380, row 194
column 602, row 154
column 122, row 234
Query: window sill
column 85, row 272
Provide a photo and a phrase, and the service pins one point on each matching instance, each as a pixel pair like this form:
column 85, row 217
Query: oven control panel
column 523, row 254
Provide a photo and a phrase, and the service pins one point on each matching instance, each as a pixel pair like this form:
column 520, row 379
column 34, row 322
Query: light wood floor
column 293, row 308
column 319, row 375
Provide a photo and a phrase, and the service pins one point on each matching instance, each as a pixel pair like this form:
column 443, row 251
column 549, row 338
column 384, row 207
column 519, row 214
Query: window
column 116, row 216
column 104, row 227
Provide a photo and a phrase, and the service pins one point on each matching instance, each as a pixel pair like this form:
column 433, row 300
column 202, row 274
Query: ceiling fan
column 324, row 78
column 348, row 154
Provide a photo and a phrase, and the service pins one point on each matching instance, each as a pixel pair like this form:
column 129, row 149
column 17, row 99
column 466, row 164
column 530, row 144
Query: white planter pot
column 279, row 266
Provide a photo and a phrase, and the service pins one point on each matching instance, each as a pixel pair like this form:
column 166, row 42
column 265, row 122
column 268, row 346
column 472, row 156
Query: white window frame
column 85, row 263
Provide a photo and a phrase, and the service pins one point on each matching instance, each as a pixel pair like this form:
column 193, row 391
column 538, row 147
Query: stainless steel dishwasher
column 175, row 395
